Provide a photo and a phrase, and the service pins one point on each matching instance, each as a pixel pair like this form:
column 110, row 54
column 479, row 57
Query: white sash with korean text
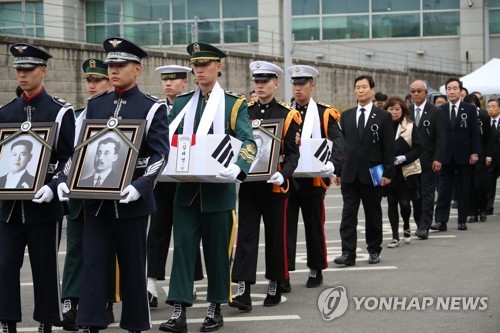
column 311, row 127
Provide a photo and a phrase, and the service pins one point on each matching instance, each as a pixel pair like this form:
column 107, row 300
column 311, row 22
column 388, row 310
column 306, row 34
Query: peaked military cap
column 263, row 70
column 121, row 50
column 28, row 56
column 95, row 68
column 302, row 73
column 203, row 52
column 173, row 72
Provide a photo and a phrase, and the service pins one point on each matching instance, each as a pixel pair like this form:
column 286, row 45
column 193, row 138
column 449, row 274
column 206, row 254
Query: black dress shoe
column 273, row 296
column 176, row 323
column 462, row 226
column 69, row 315
column 87, row 329
column 286, row 287
column 472, row 219
column 345, row 259
column 489, row 211
column 214, row 320
column 153, row 300
column 422, row 233
column 482, row 216
column 315, row 279
column 374, row 258
column 242, row 300
column 440, row 226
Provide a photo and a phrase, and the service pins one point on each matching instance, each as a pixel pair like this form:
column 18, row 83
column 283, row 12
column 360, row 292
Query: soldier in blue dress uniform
column 122, row 224
column 266, row 199
column 34, row 223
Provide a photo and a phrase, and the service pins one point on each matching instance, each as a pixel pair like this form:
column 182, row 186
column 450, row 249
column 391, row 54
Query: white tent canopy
column 485, row 79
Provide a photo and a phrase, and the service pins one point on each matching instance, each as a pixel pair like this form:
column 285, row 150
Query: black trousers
column 313, row 214
column 160, row 233
column 462, row 190
column 42, row 240
column 423, row 207
column 480, row 185
column 371, row 196
column 247, row 241
column 128, row 237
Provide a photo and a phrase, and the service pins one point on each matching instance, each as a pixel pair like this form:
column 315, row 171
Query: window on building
column 392, row 26
column 441, row 23
column 12, row 16
column 305, row 7
column 494, row 17
column 395, row 6
column 306, row 28
column 346, row 27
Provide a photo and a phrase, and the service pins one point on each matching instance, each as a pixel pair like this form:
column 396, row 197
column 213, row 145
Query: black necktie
column 453, row 116
column 494, row 124
column 361, row 122
column 98, row 181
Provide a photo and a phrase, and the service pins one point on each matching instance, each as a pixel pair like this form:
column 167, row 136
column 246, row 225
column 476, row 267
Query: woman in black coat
column 402, row 189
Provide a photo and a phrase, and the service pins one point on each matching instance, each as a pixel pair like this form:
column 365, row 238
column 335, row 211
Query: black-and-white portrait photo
column 104, row 162
column 19, row 162
column 262, row 158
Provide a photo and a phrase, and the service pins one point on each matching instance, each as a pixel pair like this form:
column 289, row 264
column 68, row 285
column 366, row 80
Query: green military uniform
column 206, row 211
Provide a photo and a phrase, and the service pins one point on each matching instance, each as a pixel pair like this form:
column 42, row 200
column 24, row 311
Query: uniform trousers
column 313, row 214
column 42, row 240
column 128, row 237
column 423, row 210
column 73, row 264
column 247, row 242
column 371, row 196
column 216, row 230
column 160, row 233
column 461, row 182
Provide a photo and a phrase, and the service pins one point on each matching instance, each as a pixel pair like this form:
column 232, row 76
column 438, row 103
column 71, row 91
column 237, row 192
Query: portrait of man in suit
column 262, row 159
column 18, row 159
column 105, row 157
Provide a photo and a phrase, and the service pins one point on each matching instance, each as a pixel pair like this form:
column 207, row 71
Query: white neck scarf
column 311, row 127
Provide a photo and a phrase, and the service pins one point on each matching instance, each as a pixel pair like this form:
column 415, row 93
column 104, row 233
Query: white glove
column 277, row 179
column 131, row 193
column 399, row 159
column 44, row 194
column 229, row 174
column 328, row 169
column 61, row 189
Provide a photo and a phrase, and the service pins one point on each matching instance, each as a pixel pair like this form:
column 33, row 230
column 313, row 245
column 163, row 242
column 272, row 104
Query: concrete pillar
column 471, row 34
column 64, row 19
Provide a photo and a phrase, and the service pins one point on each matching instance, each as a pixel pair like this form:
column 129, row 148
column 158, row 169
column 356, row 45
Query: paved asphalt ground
column 448, row 264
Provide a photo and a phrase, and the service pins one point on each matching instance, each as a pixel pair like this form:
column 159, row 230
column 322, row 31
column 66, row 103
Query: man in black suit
column 18, row 176
column 494, row 169
column 461, row 151
column 369, row 141
column 433, row 137
column 104, row 175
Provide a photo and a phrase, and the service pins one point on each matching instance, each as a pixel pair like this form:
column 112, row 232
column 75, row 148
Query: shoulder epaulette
column 235, row 94
column 324, row 104
column 59, row 101
column 151, row 97
column 286, row 106
column 97, row 95
column 251, row 104
column 12, row 100
column 186, row 93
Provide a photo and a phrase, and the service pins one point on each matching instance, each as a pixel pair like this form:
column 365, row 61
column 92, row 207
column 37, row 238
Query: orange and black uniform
column 269, row 201
column 310, row 194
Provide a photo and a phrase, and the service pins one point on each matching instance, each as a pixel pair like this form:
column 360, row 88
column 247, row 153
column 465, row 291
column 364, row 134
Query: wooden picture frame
column 105, row 158
column 267, row 136
column 25, row 151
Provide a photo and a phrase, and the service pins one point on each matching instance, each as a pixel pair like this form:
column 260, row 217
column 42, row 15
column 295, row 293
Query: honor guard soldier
column 35, row 223
column 174, row 80
column 122, row 225
column 310, row 195
column 96, row 82
column 266, row 199
column 206, row 210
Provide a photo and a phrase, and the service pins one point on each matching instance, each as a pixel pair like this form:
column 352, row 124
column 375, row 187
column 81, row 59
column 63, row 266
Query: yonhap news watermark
column 334, row 302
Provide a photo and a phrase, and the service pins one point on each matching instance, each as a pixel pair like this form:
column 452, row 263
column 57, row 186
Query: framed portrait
column 105, row 158
column 267, row 136
column 25, row 151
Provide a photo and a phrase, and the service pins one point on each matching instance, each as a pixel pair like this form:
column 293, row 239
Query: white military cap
column 302, row 73
column 173, row 72
column 263, row 70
